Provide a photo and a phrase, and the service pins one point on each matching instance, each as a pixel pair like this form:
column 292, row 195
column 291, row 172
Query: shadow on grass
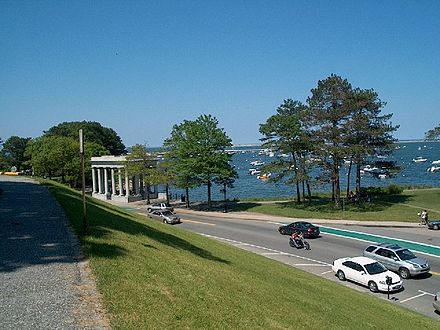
column 104, row 218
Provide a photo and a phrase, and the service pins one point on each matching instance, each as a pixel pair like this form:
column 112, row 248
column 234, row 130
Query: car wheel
column 282, row 231
column 435, row 227
column 404, row 273
column 341, row 275
column 372, row 286
column 148, row 210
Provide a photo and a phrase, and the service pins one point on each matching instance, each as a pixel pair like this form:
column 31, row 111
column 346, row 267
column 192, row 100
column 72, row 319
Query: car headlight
column 416, row 266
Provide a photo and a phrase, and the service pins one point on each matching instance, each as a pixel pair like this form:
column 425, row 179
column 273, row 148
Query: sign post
column 81, row 152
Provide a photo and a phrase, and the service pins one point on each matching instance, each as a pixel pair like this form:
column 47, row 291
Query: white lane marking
column 423, row 293
column 428, row 293
column 199, row 222
column 271, row 253
column 307, row 265
column 329, row 271
column 267, row 249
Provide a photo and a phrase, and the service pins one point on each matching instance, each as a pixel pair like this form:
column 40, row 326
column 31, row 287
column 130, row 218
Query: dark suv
column 398, row 259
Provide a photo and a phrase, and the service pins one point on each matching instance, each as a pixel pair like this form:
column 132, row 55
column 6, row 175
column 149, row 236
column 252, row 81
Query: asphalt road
column 263, row 238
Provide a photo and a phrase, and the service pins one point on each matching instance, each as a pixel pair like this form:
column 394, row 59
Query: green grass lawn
column 156, row 276
column 403, row 207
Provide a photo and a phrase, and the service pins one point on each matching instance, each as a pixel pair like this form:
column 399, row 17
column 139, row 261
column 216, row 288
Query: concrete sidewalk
column 264, row 217
column 44, row 281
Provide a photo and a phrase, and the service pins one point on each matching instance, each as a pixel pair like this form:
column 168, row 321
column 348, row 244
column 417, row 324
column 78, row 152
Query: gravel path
column 44, row 281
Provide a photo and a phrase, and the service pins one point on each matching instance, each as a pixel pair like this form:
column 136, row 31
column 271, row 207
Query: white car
column 367, row 272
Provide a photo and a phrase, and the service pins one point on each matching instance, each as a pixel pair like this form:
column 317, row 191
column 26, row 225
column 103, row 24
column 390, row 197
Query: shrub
column 394, row 189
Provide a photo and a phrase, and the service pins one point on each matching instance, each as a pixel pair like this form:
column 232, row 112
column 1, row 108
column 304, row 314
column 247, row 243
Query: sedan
column 306, row 228
column 435, row 225
column 164, row 216
column 367, row 272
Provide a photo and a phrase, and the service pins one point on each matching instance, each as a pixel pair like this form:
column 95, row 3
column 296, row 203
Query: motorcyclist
column 297, row 236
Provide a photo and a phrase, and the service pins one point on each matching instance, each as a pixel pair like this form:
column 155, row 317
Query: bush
column 394, row 189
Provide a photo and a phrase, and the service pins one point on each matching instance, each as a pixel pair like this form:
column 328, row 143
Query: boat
column 419, row 160
column 371, row 169
column 435, row 162
column 433, row 169
column 382, row 176
column 264, row 176
column 254, row 172
column 257, row 163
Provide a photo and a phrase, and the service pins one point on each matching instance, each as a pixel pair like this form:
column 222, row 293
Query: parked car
column 398, row 259
column 436, row 302
column 160, row 206
column 306, row 228
column 367, row 272
column 164, row 216
column 434, row 224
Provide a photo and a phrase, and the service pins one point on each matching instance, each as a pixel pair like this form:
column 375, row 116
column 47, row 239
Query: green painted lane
column 414, row 246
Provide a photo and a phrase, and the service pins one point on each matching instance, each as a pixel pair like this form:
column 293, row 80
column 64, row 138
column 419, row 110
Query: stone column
column 106, row 181
column 127, row 184
column 99, row 181
column 113, row 182
column 94, row 179
column 121, row 189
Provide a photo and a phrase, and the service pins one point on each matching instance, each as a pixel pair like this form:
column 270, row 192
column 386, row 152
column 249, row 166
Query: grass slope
column 153, row 275
column 402, row 207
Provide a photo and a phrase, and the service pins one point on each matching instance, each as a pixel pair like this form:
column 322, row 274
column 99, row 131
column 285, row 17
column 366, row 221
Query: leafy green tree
column 143, row 163
column 13, row 152
column 285, row 133
column 93, row 132
column 433, row 134
column 58, row 156
column 368, row 133
column 329, row 109
column 196, row 152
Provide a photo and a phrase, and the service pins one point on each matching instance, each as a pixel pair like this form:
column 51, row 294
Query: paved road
column 261, row 237
column 44, row 282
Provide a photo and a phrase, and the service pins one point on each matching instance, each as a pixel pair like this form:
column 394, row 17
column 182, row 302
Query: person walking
column 423, row 217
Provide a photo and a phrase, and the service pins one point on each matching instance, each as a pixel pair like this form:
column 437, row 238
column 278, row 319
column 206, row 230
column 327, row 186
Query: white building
column 112, row 182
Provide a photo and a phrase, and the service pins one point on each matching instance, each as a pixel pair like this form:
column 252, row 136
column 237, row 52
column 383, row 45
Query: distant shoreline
column 399, row 141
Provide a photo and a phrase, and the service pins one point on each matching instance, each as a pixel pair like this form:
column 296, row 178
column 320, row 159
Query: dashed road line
column 266, row 249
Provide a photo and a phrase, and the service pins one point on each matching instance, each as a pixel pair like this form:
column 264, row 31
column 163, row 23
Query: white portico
column 111, row 181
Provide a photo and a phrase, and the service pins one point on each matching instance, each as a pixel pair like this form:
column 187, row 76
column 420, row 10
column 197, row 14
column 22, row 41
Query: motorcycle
column 299, row 243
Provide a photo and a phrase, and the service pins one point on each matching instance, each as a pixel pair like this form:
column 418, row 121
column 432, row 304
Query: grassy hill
column 153, row 275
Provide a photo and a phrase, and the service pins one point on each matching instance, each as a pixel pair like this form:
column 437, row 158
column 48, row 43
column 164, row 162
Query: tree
column 368, row 133
column 330, row 110
column 196, row 152
column 284, row 132
column 93, row 132
column 13, row 152
column 58, row 156
column 433, row 134
column 143, row 163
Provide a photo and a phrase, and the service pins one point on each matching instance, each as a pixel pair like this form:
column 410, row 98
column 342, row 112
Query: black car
column 434, row 224
column 306, row 228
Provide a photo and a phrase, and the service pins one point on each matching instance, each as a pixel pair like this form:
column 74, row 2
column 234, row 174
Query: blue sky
column 140, row 67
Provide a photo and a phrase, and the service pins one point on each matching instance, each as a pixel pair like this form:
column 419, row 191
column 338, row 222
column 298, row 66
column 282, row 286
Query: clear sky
column 140, row 67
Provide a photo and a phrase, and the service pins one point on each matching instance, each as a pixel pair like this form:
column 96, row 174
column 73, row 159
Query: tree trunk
column 309, row 193
column 187, row 197
column 167, row 191
column 148, row 193
column 348, row 177
column 358, row 176
column 209, row 194
column 295, row 169
column 303, row 190
column 224, row 198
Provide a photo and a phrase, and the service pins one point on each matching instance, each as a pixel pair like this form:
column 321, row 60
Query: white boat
column 382, row 176
column 255, row 172
column 257, row 163
column 371, row 169
column 436, row 162
column 433, row 169
column 419, row 160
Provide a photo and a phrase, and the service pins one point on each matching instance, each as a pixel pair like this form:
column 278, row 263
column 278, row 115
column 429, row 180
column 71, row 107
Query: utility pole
column 81, row 152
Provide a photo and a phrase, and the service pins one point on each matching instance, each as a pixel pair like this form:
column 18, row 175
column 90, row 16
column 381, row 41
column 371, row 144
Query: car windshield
column 405, row 254
column 306, row 224
column 375, row 268
column 167, row 213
